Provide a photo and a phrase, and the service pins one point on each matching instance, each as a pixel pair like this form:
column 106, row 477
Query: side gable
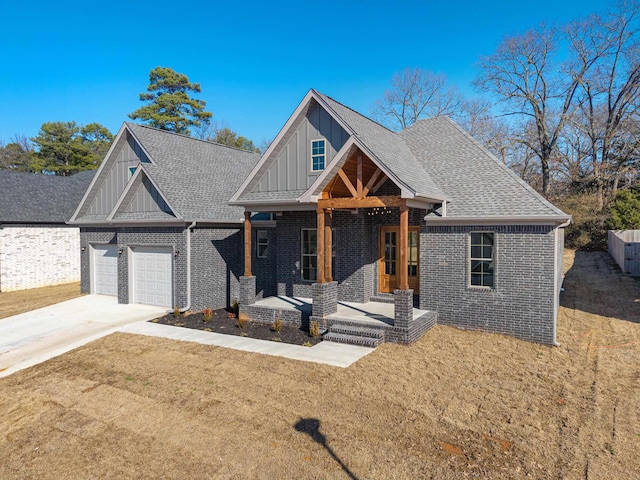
column 141, row 200
column 112, row 177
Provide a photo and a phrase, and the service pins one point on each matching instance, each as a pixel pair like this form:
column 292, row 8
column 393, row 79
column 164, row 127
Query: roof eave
column 500, row 220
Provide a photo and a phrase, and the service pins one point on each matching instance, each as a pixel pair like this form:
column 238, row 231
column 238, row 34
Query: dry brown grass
column 455, row 405
column 14, row 303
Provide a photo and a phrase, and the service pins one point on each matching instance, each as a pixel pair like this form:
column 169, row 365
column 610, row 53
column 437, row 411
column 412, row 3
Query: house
column 425, row 221
column 155, row 225
column 37, row 248
column 375, row 235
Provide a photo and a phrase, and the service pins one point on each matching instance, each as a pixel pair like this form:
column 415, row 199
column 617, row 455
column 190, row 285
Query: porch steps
column 363, row 336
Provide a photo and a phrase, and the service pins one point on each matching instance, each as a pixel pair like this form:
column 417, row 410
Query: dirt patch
column 222, row 322
column 14, row 303
column 454, row 405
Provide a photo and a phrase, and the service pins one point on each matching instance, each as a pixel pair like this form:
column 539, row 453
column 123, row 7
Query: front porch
column 367, row 323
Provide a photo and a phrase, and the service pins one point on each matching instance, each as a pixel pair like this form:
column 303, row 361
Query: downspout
column 556, row 298
column 188, row 306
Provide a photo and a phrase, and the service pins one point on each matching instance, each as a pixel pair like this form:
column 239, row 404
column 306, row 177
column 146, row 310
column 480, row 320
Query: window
column 262, row 244
column 481, row 259
column 317, row 155
column 310, row 253
column 132, row 170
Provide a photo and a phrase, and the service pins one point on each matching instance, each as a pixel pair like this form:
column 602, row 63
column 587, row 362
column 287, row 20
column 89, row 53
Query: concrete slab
column 328, row 353
column 33, row 337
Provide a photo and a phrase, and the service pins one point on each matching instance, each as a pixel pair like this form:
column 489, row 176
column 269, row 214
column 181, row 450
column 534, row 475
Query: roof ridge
column 354, row 111
column 521, row 182
column 189, row 137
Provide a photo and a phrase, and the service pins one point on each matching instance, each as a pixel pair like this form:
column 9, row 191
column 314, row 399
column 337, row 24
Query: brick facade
column 216, row 261
column 38, row 256
column 521, row 303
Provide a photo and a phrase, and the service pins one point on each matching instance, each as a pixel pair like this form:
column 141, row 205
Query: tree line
column 560, row 105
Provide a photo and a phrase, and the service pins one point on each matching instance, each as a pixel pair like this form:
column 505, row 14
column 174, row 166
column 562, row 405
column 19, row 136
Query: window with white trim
column 132, row 170
column 481, row 259
column 262, row 243
column 317, row 155
column 310, row 253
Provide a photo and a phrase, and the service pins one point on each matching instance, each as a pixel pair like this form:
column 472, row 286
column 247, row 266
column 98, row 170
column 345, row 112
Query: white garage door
column 105, row 267
column 152, row 267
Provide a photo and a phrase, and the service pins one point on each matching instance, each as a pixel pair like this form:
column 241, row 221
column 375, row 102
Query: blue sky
column 88, row 61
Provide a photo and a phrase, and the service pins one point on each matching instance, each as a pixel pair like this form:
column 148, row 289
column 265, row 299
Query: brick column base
column 247, row 290
column 325, row 299
column 403, row 308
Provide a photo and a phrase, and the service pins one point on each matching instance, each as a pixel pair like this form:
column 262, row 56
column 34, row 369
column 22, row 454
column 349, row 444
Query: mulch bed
column 222, row 323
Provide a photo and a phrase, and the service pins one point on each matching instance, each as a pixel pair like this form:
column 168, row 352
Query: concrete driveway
column 33, row 337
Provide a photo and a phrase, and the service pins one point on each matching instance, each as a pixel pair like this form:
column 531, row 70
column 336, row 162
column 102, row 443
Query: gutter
column 188, row 306
column 557, row 290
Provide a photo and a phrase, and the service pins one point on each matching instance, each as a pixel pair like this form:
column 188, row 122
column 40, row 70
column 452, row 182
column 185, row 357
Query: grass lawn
column 14, row 303
column 454, row 405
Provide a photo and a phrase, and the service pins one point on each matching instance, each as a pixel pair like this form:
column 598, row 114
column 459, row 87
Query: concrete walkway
column 328, row 353
column 34, row 337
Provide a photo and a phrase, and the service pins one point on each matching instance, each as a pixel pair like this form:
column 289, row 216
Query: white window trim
column 470, row 259
column 302, row 254
column 323, row 155
column 266, row 244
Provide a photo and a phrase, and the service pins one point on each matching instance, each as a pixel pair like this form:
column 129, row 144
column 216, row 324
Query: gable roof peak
column 327, row 97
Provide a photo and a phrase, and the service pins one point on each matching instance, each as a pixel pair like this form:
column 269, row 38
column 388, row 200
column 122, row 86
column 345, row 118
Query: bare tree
column 16, row 155
column 416, row 94
column 527, row 77
column 609, row 95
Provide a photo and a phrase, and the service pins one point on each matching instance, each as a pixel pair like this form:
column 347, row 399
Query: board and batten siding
column 147, row 199
column 129, row 155
column 291, row 169
column 624, row 248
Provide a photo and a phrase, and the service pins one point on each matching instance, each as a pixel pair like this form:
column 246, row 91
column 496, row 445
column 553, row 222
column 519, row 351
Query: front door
column 389, row 259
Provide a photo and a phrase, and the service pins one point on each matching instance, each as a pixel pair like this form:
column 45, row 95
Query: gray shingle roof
column 196, row 177
column 389, row 148
column 476, row 183
column 33, row 198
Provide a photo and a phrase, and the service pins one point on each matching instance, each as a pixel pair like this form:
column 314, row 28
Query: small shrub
column 242, row 321
column 277, row 325
column 208, row 330
column 307, row 344
column 208, row 314
column 235, row 306
column 276, row 339
column 314, row 329
column 244, row 334
column 176, row 311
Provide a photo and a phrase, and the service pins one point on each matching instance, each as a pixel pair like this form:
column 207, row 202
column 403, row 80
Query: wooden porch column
column 404, row 245
column 320, row 246
column 247, row 244
column 328, row 246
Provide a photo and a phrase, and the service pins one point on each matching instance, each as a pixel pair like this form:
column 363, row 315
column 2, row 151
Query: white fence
column 624, row 248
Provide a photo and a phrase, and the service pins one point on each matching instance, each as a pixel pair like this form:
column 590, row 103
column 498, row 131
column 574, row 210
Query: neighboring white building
column 37, row 248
